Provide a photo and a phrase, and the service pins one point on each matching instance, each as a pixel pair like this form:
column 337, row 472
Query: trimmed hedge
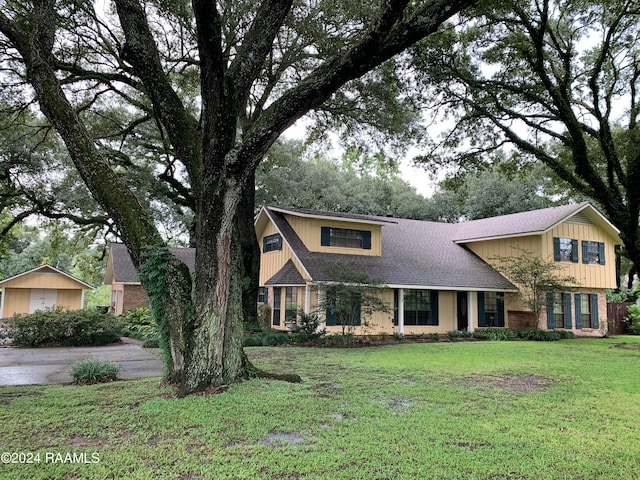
column 61, row 327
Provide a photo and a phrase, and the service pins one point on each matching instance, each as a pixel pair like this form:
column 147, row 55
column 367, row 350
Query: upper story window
column 345, row 237
column 593, row 252
column 565, row 250
column 272, row 243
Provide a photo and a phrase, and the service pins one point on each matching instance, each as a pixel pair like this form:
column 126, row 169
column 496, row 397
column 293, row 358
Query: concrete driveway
column 30, row 366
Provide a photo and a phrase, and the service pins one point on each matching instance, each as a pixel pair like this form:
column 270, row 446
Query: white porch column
column 471, row 310
column 401, row 311
column 307, row 299
column 320, row 310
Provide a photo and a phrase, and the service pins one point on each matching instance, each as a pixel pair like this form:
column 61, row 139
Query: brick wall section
column 134, row 297
column 519, row 320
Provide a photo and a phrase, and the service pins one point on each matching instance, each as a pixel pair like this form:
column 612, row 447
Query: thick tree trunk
column 215, row 355
column 250, row 253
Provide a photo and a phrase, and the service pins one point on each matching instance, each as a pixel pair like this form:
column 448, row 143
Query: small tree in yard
column 352, row 298
column 534, row 278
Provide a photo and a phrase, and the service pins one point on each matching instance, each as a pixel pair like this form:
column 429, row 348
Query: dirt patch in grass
column 78, row 441
column 628, row 346
column 7, row 397
column 513, row 382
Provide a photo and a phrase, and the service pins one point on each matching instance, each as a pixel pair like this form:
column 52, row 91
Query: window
column 277, row 299
column 271, row 243
column 418, row 307
column 490, row 309
column 565, row 250
column 344, row 237
column 263, row 295
column 593, row 252
column 290, row 304
column 586, row 310
column 558, row 310
column 342, row 307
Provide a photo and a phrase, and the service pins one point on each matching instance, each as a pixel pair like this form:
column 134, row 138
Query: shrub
column 540, row 335
column 435, row 337
column 140, row 324
column 307, row 327
column 251, row 341
column 633, row 319
column 61, row 327
column 94, row 370
column 498, row 334
column 459, row 334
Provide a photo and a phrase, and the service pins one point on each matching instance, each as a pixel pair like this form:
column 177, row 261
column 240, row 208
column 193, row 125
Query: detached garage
column 41, row 288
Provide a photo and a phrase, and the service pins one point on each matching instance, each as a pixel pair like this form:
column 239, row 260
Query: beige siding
column 446, row 317
column 16, row 300
column 507, row 247
column 588, row 276
column 272, row 262
column 308, row 229
column 42, row 280
column 69, row 299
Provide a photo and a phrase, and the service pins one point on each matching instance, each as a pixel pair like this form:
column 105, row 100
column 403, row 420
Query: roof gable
column 120, row 267
column 45, row 269
column 534, row 222
column 287, row 275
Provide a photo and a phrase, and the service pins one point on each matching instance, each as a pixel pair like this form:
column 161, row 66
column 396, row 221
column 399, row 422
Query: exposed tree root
column 251, row 371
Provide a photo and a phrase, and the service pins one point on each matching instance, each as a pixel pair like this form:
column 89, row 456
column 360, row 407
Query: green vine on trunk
column 156, row 267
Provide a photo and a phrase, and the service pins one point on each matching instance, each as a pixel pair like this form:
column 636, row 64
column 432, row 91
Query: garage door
column 42, row 298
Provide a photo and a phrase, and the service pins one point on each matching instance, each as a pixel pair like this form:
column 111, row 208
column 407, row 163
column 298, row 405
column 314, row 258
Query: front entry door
column 463, row 314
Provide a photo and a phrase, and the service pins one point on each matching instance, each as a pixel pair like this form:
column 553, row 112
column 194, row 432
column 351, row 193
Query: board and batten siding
column 42, row 280
column 588, row 275
column 309, row 231
column 272, row 262
column 19, row 300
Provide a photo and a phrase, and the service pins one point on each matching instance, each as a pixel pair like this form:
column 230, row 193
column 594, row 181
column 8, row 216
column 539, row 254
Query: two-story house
column 436, row 276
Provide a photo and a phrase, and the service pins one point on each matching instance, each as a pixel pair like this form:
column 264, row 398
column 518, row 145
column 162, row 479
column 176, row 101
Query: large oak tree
column 559, row 82
column 257, row 76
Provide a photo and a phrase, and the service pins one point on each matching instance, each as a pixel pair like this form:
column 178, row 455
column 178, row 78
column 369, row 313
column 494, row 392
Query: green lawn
column 485, row 410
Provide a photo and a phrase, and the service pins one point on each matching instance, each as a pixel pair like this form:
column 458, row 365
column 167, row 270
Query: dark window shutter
column 500, row 306
column 601, row 252
column 434, row 308
column 550, row 321
column 594, row 311
column 574, row 251
column 396, row 303
column 325, row 236
column 585, row 251
column 264, row 244
column 567, row 310
column 556, row 249
column 577, row 298
column 366, row 239
column 482, row 317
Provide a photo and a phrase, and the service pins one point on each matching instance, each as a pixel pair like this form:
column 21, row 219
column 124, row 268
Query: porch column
column 320, row 310
column 307, row 299
column 472, row 309
column 401, row 311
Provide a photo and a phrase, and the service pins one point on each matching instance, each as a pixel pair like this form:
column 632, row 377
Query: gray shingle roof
column 287, row 275
column 125, row 272
column 414, row 253
column 533, row 222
